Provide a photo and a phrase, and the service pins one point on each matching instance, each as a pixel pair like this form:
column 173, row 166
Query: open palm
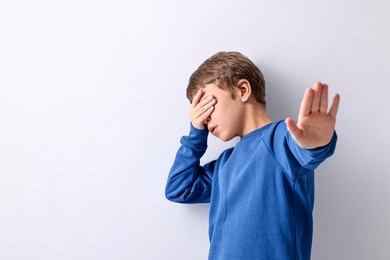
column 315, row 126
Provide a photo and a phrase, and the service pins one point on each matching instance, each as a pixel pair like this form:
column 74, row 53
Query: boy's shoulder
column 270, row 130
column 276, row 129
column 261, row 139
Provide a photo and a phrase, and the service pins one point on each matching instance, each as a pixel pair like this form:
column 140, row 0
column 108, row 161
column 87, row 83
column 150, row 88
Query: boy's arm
column 301, row 147
column 315, row 127
column 188, row 182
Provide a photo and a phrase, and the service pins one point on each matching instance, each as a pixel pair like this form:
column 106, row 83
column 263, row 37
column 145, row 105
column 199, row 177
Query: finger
column 205, row 102
column 324, row 99
column 196, row 98
column 203, row 105
column 335, row 105
column 305, row 108
column 201, row 119
column 292, row 127
column 315, row 105
column 206, row 115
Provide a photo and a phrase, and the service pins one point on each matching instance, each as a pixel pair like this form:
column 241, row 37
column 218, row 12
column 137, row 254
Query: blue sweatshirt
column 261, row 192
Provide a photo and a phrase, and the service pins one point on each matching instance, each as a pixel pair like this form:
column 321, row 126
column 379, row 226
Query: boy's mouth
column 212, row 129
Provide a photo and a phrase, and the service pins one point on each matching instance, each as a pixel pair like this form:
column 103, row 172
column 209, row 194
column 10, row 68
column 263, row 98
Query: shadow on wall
column 282, row 95
column 199, row 211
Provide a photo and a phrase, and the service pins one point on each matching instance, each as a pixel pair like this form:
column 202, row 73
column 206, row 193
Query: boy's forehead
column 215, row 90
column 210, row 88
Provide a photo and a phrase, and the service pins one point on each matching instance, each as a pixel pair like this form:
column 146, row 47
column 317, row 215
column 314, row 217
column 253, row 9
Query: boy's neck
column 255, row 117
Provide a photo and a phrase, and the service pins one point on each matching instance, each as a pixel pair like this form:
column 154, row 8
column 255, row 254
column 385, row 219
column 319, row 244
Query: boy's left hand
column 315, row 125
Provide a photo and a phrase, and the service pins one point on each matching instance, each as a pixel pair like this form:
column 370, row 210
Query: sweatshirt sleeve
column 188, row 182
column 312, row 158
column 295, row 160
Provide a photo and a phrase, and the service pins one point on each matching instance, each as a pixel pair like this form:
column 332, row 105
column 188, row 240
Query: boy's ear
column 245, row 90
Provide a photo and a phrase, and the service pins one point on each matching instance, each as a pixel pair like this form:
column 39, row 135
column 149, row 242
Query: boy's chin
column 225, row 138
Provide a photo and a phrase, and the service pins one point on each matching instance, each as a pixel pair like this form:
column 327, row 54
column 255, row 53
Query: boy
column 261, row 192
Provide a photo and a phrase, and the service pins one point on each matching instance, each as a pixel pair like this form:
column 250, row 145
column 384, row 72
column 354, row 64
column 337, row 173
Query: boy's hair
column 225, row 69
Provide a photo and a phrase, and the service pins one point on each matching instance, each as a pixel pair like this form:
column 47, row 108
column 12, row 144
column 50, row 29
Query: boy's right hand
column 201, row 109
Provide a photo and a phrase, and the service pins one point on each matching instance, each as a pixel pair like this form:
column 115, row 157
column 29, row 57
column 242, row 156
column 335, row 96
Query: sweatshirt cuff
column 327, row 149
column 196, row 136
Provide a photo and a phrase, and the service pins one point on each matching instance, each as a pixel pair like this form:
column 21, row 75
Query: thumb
column 293, row 128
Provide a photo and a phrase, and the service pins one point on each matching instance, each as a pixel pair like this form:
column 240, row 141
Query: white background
column 92, row 107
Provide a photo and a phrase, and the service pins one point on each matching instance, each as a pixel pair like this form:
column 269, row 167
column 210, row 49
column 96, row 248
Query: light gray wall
column 92, row 106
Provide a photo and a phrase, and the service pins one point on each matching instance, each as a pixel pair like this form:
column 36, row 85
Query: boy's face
column 226, row 120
